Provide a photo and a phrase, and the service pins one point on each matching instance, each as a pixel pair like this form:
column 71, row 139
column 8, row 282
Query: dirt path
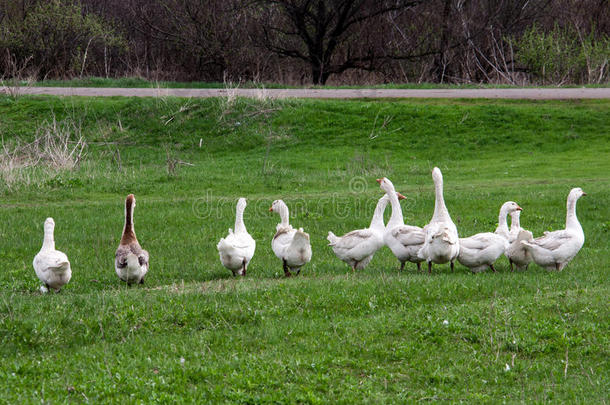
column 529, row 93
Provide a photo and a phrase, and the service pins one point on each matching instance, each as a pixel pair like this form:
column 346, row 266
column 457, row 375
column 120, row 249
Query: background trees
column 309, row 41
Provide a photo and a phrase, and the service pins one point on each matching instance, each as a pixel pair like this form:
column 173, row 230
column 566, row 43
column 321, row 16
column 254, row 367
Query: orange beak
column 400, row 196
column 583, row 193
column 271, row 208
column 519, row 208
column 379, row 181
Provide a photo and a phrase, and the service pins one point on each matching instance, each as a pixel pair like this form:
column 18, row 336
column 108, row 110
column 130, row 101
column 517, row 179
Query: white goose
column 237, row 249
column 554, row 250
column 441, row 244
column 403, row 240
column 290, row 245
column 358, row 247
column 480, row 251
column 516, row 253
column 515, row 226
column 130, row 261
column 52, row 266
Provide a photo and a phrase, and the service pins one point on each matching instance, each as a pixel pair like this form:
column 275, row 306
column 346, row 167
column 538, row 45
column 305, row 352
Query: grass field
column 195, row 333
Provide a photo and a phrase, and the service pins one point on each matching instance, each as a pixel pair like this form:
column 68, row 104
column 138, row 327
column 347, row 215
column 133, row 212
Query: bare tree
column 330, row 36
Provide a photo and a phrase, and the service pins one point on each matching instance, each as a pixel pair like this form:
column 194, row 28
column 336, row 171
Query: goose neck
column 284, row 214
column 440, row 210
column 239, row 219
column 514, row 220
column 48, row 242
column 128, row 230
column 571, row 219
column 377, row 220
column 502, row 224
column 396, row 218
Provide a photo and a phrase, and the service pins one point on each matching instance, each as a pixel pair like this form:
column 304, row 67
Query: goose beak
column 583, row 193
column 271, row 208
column 519, row 208
column 401, row 197
column 379, row 181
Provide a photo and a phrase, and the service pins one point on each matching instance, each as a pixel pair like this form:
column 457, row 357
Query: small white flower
column 182, row 361
column 445, row 322
column 506, row 367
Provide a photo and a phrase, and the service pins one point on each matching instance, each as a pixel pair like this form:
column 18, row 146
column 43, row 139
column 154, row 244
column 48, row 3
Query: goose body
column 480, row 251
column 554, row 250
column 441, row 241
column 404, row 241
column 357, row 248
column 51, row 266
column 290, row 245
column 237, row 248
column 131, row 261
column 517, row 253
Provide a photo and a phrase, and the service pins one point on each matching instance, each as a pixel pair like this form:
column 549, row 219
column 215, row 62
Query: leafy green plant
column 564, row 54
column 56, row 38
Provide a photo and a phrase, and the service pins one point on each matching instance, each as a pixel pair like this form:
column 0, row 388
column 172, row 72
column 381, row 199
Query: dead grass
column 57, row 146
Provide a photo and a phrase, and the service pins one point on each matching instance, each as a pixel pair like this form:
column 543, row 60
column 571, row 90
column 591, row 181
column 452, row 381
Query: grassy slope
column 327, row 335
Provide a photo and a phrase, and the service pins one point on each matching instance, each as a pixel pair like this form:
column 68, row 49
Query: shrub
column 564, row 55
column 59, row 40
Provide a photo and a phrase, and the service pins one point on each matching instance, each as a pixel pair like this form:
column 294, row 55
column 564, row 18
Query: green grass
column 137, row 82
column 195, row 333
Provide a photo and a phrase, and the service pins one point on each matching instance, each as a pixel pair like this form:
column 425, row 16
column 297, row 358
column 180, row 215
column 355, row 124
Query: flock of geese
column 437, row 242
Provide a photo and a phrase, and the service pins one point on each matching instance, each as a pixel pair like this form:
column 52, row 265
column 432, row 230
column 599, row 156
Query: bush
column 564, row 55
column 59, row 40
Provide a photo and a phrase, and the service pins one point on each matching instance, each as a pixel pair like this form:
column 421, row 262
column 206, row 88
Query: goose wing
column 353, row 239
column 552, row 240
column 409, row 235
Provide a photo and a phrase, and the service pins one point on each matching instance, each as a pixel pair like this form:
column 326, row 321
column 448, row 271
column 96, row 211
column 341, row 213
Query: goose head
column 276, row 206
column 437, row 176
column 241, row 203
column 386, row 185
column 510, row 207
column 576, row 193
column 49, row 225
column 130, row 200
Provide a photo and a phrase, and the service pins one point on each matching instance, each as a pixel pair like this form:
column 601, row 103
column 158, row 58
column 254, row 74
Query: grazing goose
column 52, row 266
column 290, row 245
column 358, row 247
column 554, row 250
column 480, row 251
column 441, row 243
column 517, row 253
column 237, row 249
column 403, row 240
column 131, row 261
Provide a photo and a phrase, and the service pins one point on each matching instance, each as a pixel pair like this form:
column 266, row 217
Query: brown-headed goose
column 131, row 261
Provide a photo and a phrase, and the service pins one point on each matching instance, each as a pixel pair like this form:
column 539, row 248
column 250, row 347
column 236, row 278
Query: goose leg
column 286, row 271
column 491, row 266
column 141, row 281
column 557, row 266
column 511, row 265
column 452, row 266
column 243, row 273
column 418, row 267
column 429, row 267
column 402, row 266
